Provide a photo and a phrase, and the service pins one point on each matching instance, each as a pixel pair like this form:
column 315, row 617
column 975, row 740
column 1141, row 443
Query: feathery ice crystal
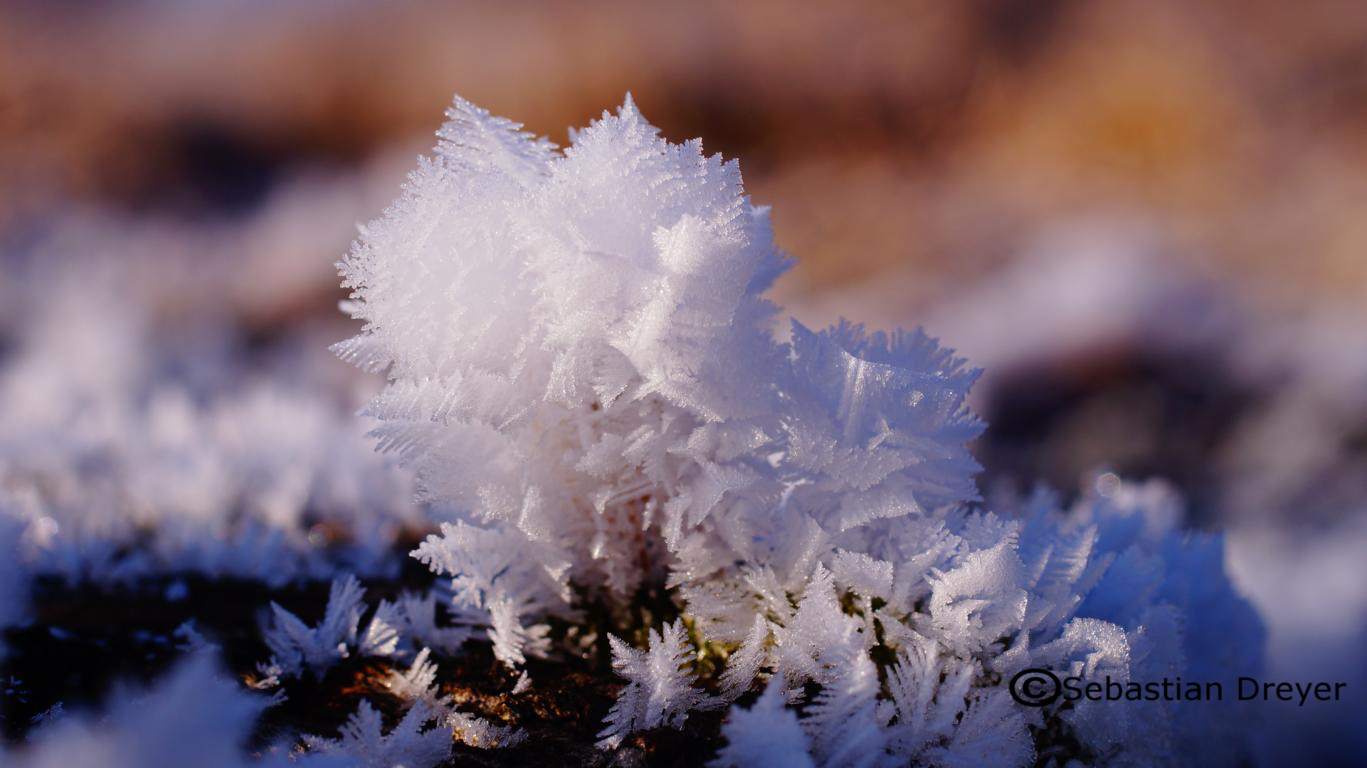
column 581, row 369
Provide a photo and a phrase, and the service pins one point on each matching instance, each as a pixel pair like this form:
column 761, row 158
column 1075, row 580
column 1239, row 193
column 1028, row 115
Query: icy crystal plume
column 580, row 366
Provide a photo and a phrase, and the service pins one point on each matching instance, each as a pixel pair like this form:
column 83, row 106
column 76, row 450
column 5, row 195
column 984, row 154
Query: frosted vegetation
column 624, row 455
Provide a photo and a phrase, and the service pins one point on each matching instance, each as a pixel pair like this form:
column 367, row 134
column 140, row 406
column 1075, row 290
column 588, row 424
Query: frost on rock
column 581, row 371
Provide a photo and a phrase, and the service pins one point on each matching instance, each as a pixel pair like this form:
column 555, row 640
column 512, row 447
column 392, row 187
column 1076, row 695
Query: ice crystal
column 477, row 732
column 418, row 682
column 660, row 692
column 766, row 735
column 364, row 743
column 581, row 368
column 296, row 647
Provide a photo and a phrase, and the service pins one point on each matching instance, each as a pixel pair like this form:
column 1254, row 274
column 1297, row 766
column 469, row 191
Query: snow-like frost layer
column 127, row 451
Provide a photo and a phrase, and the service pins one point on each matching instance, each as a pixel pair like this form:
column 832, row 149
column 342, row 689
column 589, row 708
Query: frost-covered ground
column 658, row 532
column 658, row 535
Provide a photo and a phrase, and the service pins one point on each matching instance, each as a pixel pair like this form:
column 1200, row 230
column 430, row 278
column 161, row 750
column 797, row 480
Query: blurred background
column 1144, row 218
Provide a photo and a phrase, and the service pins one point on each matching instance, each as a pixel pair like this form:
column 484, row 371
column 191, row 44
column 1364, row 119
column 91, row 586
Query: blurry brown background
column 920, row 139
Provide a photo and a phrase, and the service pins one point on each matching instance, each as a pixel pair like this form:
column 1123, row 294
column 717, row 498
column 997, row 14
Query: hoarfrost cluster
column 619, row 454
column 582, row 371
